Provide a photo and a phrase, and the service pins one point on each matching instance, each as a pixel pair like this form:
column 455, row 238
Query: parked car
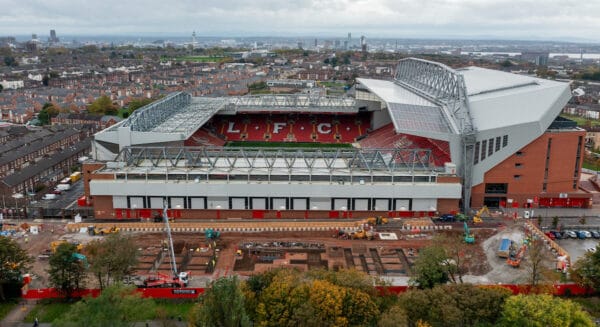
column 557, row 235
column 447, row 217
column 581, row 234
column 595, row 234
column 587, row 233
column 56, row 191
column 49, row 196
column 550, row 235
column 570, row 234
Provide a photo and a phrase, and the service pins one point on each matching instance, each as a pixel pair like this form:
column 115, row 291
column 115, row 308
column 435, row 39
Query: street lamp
column 17, row 196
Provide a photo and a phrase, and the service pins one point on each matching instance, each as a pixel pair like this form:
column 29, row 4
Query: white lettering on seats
column 322, row 130
column 277, row 127
column 230, row 128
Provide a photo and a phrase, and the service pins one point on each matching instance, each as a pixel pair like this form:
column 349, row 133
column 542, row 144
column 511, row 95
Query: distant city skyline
column 565, row 20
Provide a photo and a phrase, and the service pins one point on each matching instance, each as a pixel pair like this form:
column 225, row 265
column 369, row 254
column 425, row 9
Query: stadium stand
column 292, row 128
column 203, row 137
column 386, row 137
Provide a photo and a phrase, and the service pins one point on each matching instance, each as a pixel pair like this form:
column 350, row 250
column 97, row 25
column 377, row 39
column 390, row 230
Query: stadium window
column 518, row 165
column 496, row 188
column 490, row 147
column 483, row 149
column 517, row 177
column 544, row 187
column 504, row 141
column 497, row 143
column 519, row 153
column 476, row 159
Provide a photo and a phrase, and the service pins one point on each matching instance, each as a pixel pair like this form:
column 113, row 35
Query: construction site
column 192, row 254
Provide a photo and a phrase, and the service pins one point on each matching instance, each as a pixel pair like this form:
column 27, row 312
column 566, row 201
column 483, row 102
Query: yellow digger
column 105, row 230
column 477, row 217
column 377, row 220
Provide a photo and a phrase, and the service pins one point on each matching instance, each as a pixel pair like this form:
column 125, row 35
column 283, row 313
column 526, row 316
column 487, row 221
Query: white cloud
column 374, row 18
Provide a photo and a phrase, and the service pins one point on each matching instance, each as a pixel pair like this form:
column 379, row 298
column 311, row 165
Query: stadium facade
column 432, row 140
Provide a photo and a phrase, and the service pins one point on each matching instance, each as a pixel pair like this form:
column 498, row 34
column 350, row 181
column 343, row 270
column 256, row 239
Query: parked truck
column 75, row 176
column 504, row 248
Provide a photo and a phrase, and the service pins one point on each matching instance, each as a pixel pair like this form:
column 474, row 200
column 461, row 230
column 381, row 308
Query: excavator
column 515, row 257
column 469, row 237
column 380, row 220
column 477, row 217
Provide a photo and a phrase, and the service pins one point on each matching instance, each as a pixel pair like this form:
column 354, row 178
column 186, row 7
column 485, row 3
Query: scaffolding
column 283, row 164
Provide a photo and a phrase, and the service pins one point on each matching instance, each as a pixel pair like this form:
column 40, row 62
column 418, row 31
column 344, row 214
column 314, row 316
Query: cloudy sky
column 505, row 19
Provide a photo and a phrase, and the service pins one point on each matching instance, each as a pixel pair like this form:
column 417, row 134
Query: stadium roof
column 177, row 116
column 496, row 100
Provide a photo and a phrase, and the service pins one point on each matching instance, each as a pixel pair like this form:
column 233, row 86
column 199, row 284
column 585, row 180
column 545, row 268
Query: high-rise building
column 53, row 38
column 363, row 43
column 315, row 43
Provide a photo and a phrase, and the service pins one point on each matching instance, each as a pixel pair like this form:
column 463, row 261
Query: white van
column 49, row 196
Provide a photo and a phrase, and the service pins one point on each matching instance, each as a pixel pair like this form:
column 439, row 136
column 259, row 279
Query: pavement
column 16, row 316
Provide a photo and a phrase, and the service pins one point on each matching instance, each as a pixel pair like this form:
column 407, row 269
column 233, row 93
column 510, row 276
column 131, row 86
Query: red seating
column 386, row 137
column 292, row 128
column 202, row 137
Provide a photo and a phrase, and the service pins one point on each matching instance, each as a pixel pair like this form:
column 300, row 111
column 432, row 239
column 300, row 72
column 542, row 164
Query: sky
column 498, row 19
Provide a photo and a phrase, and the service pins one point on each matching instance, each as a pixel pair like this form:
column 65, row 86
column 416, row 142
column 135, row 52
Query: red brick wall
column 561, row 169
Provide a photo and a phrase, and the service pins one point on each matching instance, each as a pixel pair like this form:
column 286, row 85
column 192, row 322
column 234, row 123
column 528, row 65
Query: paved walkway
column 16, row 316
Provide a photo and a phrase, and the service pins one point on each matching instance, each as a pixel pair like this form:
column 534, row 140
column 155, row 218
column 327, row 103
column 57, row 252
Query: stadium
column 432, row 140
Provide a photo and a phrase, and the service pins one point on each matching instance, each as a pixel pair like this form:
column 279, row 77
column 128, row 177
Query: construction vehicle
column 362, row 235
column 179, row 278
column 82, row 258
column 212, row 234
column 504, row 249
column 469, row 237
column 380, row 220
column 103, row 230
column 55, row 244
column 477, row 217
column 515, row 257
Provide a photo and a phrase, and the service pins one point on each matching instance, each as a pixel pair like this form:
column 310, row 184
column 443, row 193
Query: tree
column 112, row 258
column 14, row 262
column 454, row 305
column 117, row 306
column 102, row 106
column 66, row 272
column 536, row 263
column 586, row 270
column 554, row 222
column 10, row 61
column 394, row 317
column 543, row 310
column 138, row 103
column 431, row 267
column 48, row 111
column 221, row 305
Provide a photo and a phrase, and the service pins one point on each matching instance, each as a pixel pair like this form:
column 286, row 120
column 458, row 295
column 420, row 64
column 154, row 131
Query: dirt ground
column 390, row 259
